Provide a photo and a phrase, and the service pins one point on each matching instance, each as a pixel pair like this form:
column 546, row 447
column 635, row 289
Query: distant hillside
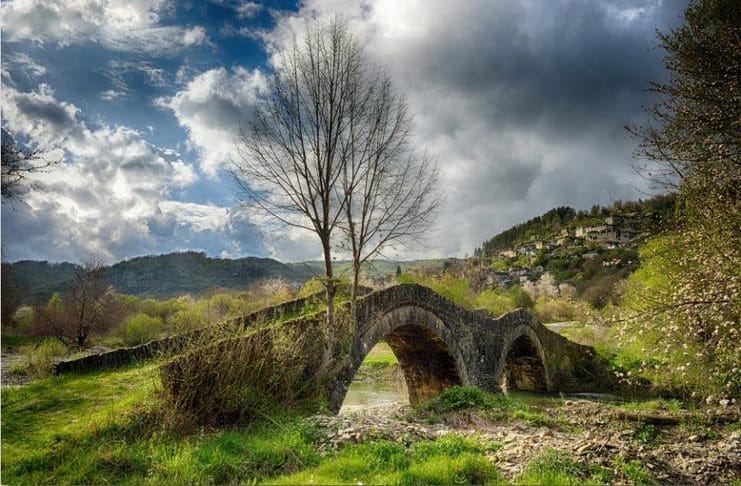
column 159, row 276
column 192, row 273
column 647, row 217
column 175, row 274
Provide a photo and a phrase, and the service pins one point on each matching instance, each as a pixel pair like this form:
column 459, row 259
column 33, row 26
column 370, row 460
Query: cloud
column 211, row 107
column 38, row 115
column 123, row 25
column 523, row 103
column 100, row 198
column 112, row 95
column 22, row 63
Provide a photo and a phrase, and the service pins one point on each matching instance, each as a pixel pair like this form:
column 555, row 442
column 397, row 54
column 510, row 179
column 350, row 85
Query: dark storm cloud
column 38, row 108
column 523, row 101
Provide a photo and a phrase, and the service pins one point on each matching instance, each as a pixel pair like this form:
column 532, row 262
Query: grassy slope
column 104, row 428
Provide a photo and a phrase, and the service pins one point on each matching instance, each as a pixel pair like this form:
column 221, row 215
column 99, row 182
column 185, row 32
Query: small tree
column 11, row 296
column 88, row 306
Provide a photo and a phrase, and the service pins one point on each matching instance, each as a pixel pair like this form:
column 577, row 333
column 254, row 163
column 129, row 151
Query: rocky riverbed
column 697, row 447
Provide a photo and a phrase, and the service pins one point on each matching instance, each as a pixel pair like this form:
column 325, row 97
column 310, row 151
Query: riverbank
column 109, row 427
column 584, row 440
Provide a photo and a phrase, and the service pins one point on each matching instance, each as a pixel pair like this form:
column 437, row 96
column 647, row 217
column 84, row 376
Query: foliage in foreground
column 38, row 358
column 692, row 144
column 108, row 428
column 239, row 379
column 683, row 349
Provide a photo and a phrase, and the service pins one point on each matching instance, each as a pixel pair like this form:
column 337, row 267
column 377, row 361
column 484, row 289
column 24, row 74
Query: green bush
column 496, row 302
column 38, row 360
column 555, row 310
column 460, row 397
column 141, row 328
column 521, row 298
column 185, row 320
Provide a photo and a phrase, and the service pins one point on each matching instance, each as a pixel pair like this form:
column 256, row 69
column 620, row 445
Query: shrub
column 521, row 298
column 242, row 378
column 495, row 301
column 141, row 328
column 551, row 467
column 460, row 397
column 185, row 320
column 38, row 360
column 555, row 310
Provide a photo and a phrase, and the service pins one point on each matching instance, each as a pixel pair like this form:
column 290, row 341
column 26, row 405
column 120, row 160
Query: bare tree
column 88, row 306
column 390, row 188
column 292, row 156
column 17, row 167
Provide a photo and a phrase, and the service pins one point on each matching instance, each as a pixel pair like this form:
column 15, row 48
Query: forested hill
column 649, row 216
column 158, row 276
column 175, row 274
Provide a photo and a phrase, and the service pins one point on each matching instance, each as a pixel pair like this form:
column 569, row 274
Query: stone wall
column 171, row 345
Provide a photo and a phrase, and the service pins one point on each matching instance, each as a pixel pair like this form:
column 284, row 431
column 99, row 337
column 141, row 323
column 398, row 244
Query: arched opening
column 523, row 367
column 378, row 381
column 426, row 366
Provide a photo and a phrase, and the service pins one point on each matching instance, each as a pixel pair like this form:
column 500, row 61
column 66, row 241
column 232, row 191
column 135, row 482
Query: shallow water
column 362, row 395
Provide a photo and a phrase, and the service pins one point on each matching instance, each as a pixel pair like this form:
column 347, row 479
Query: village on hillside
column 564, row 257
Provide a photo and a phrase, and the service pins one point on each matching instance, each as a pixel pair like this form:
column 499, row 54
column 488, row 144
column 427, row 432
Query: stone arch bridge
column 440, row 344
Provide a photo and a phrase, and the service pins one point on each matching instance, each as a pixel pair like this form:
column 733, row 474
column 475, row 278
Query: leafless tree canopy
column 330, row 147
column 390, row 188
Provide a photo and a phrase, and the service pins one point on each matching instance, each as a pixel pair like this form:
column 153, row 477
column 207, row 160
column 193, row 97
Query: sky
column 523, row 103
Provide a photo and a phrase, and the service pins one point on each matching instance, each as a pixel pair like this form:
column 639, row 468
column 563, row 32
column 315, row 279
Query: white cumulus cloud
column 125, row 25
column 211, row 107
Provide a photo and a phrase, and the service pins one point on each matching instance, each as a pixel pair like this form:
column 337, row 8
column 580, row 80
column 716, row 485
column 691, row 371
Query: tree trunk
column 330, row 289
column 81, row 337
column 354, row 295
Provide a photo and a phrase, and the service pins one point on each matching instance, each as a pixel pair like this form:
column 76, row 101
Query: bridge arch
column 522, row 364
column 425, row 346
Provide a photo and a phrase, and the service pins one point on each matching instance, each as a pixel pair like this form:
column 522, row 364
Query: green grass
column 634, row 471
column 552, row 467
column 380, row 355
column 107, row 427
column 12, row 341
column 658, row 405
column 449, row 460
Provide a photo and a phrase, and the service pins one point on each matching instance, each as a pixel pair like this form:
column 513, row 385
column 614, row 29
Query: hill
column 174, row 274
column 160, row 276
column 585, row 252
column 642, row 216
